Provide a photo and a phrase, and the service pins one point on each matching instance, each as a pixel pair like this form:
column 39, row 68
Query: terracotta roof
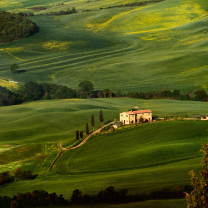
column 136, row 112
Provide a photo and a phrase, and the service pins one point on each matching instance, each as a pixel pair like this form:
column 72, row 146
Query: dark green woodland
column 14, row 27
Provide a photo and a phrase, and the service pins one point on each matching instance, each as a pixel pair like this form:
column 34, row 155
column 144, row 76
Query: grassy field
column 134, row 48
column 143, row 48
column 141, row 158
column 56, row 5
column 147, row 204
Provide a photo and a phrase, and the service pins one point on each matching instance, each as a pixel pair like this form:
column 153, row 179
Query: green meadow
column 142, row 158
column 159, row 45
column 147, row 204
column 141, row 48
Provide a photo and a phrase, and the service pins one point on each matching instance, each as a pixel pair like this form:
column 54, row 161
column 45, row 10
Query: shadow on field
column 20, row 71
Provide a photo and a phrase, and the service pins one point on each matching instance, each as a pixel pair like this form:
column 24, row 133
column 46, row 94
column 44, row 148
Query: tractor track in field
column 76, row 60
column 80, row 144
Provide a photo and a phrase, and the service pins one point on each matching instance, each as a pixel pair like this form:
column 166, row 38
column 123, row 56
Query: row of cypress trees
column 79, row 134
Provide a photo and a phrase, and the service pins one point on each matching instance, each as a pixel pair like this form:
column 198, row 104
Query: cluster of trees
column 109, row 196
column 32, row 91
column 14, row 26
column 79, row 134
column 8, row 97
column 24, row 174
column 137, row 3
column 61, row 12
column 140, row 3
column 197, row 95
column 5, row 177
column 198, row 198
column 35, row 199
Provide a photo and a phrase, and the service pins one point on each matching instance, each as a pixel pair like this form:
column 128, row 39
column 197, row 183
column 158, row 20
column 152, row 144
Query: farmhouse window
column 126, row 115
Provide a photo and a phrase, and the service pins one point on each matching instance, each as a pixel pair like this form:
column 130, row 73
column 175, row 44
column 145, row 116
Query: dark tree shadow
column 20, row 71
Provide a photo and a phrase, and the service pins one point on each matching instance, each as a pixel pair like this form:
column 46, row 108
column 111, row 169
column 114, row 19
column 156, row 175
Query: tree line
column 108, row 196
column 32, row 91
column 5, row 177
column 197, row 95
column 14, row 27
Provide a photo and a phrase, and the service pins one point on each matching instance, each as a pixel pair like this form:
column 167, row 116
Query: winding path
column 81, row 143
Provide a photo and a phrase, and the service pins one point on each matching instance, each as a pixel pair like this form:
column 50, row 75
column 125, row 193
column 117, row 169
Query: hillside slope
column 133, row 48
column 130, row 158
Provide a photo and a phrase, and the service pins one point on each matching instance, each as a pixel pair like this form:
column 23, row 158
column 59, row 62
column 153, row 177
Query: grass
column 147, row 204
column 143, row 48
column 131, row 158
column 51, row 5
column 136, row 48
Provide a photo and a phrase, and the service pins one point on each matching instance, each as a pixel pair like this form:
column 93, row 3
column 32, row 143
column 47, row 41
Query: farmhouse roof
column 137, row 112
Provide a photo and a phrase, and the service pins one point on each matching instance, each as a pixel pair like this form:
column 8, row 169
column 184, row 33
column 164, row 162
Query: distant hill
column 138, row 48
column 15, row 27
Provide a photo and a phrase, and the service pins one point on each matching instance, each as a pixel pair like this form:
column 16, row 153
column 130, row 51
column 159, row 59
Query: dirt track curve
column 80, row 144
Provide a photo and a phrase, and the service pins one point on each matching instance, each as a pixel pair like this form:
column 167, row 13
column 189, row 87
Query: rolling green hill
column 159, row 45
column 132, row 48
column 129, row 158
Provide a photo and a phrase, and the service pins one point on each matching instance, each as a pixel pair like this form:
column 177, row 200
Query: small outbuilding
column 204, row 118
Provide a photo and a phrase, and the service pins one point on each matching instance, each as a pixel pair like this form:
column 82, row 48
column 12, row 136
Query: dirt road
column 80, row 144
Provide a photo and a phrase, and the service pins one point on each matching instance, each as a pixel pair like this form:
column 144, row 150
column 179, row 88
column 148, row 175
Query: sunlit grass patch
column 56, row 45
column 194, row 69
column 11, row 50
column 170, row 17
column 192, row 39
column 159, row 36
column 9, row 84
column 104, row 23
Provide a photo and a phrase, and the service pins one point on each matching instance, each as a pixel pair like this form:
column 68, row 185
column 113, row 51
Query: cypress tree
column 93, row 121
column 101, row 117
column 81, row 134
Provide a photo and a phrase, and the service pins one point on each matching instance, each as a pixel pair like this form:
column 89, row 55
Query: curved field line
column 139, row 167
column 89, row 57
column 46, row 66
column 76, row 58
column 122, row 14
column 56, row 159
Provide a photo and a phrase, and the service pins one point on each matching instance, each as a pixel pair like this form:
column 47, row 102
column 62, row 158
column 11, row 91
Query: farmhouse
column 130, row 117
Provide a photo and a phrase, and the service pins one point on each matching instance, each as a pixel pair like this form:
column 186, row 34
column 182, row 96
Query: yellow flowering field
column 147, row 19
column 56, row 45
column 9, row 84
